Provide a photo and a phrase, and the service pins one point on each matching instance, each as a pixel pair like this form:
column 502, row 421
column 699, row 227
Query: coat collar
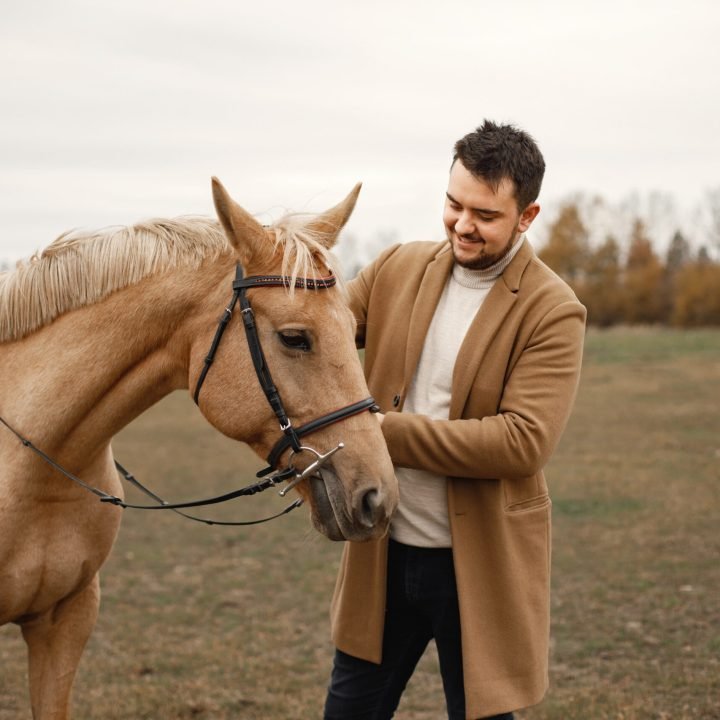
column 431, row 287
column 484, row 326
column 514, row 271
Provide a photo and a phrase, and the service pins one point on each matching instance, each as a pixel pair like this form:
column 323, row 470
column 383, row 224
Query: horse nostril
column 371, row 508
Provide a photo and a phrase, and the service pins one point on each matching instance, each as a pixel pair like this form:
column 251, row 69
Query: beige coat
column 513, row 388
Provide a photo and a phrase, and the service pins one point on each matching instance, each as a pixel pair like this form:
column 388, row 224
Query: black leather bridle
column 270, row 476
column 291, row 435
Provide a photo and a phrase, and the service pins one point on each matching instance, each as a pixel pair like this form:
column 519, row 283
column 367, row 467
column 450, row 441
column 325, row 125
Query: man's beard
column 484, row 261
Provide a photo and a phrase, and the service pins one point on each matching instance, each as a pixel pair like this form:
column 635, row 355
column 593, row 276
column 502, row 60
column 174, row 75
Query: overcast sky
column 116, row 111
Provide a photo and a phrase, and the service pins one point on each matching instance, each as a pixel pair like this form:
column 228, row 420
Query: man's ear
column 527, row 216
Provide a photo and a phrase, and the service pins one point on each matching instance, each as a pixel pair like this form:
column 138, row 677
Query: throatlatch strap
column 222, row 324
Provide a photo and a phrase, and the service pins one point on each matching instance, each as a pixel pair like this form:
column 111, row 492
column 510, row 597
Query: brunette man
column 473, row 348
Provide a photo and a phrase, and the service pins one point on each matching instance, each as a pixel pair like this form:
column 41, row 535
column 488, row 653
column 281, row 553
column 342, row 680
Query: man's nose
column 464, row 225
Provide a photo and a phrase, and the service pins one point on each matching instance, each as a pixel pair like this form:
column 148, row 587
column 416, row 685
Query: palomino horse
column 100, row 327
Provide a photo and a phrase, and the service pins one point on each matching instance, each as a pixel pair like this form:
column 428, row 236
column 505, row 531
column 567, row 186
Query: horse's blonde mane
column 81, row 268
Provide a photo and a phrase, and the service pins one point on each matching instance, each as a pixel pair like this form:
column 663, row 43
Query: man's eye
column 295, row 340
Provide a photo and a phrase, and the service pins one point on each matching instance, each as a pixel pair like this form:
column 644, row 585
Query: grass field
column 218, row 623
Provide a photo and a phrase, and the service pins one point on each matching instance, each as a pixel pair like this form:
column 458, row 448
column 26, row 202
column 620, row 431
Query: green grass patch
column 621, row 345
column 595, row 508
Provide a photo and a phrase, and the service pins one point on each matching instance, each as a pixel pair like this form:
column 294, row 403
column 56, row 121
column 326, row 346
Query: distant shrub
column 697, row 295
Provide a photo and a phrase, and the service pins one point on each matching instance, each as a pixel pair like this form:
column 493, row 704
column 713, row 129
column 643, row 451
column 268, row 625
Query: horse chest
column 46, row 557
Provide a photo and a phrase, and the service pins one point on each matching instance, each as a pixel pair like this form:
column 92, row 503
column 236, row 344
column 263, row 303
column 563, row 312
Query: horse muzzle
column 358, row 515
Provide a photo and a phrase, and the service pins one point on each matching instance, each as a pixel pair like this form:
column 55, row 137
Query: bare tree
column 713, row 204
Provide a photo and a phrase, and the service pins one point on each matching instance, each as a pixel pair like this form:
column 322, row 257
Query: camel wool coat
column 513, row 387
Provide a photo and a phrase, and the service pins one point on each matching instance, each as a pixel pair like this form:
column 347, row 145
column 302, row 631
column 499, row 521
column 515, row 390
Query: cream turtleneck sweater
column 422, row 515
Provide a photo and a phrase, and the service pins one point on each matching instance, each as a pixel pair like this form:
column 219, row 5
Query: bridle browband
column 290, row 438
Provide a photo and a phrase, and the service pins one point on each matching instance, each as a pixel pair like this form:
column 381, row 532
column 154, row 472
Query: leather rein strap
column 251, row 489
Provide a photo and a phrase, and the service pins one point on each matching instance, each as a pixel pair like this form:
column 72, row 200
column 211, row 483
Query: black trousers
column 421, row 605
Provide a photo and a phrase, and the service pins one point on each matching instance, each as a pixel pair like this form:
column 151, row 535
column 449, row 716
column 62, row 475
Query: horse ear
column 243, row 231
column 328, row 225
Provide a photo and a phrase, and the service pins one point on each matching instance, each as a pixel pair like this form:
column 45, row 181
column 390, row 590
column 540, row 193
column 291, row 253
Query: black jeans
column 421, row 604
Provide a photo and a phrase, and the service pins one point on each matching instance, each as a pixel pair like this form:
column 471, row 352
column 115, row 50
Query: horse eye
column 295, row 340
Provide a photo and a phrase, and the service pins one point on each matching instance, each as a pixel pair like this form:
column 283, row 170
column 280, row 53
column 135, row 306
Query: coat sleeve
column 534, row 408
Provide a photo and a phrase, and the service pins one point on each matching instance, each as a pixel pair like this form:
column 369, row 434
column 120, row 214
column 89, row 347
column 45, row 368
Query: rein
column 290, row 438
column 162, row 504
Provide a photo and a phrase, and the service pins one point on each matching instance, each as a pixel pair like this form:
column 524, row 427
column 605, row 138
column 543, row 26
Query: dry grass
column 217, row 623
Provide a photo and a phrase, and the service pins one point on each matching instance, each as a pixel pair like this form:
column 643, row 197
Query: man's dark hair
column 494, row 152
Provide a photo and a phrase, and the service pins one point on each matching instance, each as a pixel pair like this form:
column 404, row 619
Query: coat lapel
column 485, row 325
column 431, row 288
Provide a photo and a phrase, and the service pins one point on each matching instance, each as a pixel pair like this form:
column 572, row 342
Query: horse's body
column 73, row 377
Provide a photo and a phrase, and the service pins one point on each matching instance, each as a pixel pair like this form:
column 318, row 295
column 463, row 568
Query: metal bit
column 311, row 468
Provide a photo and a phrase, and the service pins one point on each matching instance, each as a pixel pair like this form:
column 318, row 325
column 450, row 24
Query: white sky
column 111, row 112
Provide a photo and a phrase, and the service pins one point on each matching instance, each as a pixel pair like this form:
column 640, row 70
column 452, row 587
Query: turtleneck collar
column 482, row 279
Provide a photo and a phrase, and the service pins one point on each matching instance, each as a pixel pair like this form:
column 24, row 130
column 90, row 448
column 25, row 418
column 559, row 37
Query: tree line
column 631, row 283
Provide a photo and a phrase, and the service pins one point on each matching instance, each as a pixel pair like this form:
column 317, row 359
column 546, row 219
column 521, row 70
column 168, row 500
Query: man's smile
column 468, row 239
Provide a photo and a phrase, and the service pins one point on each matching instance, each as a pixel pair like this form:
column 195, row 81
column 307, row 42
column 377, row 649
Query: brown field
column 218, row 623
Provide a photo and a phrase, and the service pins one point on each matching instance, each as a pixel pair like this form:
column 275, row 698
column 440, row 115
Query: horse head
column 307, row 339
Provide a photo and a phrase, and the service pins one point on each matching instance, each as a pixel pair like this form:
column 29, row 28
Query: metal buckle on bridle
column 312, row 468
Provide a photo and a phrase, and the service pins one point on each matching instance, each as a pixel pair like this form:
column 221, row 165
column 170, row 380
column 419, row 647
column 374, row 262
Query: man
column 473, row 348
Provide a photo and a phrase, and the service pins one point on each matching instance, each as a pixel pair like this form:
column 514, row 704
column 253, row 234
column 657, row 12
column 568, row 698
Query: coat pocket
column 533, row 503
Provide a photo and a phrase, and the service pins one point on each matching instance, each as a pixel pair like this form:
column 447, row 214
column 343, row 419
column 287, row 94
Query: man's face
column 482, row 224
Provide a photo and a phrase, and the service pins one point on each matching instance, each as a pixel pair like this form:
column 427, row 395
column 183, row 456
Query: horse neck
column 77, row 382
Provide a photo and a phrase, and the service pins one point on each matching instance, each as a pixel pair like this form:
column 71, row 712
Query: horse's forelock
column 303, row 252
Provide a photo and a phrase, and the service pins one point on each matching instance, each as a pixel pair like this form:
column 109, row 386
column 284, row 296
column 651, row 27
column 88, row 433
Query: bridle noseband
column 291, row 435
